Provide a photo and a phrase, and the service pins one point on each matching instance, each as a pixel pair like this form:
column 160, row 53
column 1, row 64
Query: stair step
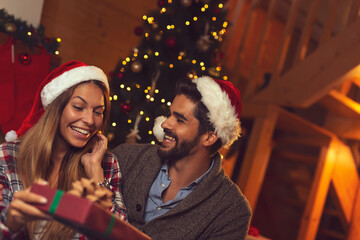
column 292, row 156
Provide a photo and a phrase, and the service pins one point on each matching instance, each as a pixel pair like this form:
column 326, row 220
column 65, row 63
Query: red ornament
column 125, row 107
column 25, row 59
column 162, row 3
column 138, row 31
column 216, row 10
column 120, row 75
column 170, row 42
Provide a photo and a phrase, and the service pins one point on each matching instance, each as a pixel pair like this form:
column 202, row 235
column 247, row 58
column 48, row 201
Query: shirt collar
column 165, row 169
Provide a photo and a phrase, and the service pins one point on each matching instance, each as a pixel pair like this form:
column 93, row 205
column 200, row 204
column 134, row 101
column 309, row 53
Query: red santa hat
column 222, row 99
column 54, row 84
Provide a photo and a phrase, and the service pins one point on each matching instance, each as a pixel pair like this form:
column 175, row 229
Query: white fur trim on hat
column 222, row 113
column 11, row 136
column 158, row 131
column 68, row 79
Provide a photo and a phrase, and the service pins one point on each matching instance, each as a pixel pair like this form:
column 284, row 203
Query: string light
column 124, row 62
column 171, row 65
column 129, row 121
column 156, row 53
column 115, row 97
column 168, row 27
column 135, row 54
column 146, row 91
column 152, row 99
column 172, row 26
column 110, row 98
column 218, row 68
column 113, row 124
column 206, row 6
column 144, row 17
column 148, row 96
column 214, row 19
column 146, row 35
column 193, row 61
column 168, row 103
column 225, row 78
column 195, row 19
column 179, row 57
column 127, row 59
column 150, row 132
column 202, row 64
column 146, row 56
column 141, row 112
column 221, row 5
column 137, row 85
column 162, row 100
column 225, row 24
column 169, row 1
column 147, row 119
column 58, row 39
column 29, row 33
column 128, row 88
column 122, row 85
column 187, row 23
column 57, row 52
column 153, row 142
column 203, row 68
column 149, row 88
column 163, row 10
column 203, row 9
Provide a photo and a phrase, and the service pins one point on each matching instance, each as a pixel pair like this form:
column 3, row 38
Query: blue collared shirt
column 154, row 204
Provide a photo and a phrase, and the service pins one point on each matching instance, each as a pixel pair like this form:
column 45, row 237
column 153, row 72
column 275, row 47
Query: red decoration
column 216, row 10
column 25, row 59
column 120, row 75
column 170, row 42
column 162, row 3
column 125, row 107
column 138, row 31
column 253, row 231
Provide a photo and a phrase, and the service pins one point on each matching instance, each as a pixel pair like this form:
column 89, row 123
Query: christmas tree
column 181, row 39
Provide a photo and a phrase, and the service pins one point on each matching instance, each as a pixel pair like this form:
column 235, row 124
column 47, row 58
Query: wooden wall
column 96, row 32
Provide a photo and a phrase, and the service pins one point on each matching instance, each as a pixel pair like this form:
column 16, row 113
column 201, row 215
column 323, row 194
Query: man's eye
column 77, row 107
column 179, row 120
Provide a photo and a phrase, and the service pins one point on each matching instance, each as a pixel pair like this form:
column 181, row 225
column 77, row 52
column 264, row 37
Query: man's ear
column 210, row 138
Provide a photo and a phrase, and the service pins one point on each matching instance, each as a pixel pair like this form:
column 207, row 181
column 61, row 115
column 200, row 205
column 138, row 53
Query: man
column 179, row 190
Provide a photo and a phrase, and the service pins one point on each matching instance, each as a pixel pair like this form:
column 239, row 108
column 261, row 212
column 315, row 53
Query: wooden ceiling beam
column 331, row 64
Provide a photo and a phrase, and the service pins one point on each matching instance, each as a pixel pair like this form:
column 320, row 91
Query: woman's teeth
column 79, row 130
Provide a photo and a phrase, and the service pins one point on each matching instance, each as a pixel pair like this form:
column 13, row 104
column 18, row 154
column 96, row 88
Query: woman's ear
column 210, row 138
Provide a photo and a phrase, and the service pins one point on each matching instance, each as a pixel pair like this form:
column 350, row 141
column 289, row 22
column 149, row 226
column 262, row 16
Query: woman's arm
column 113, row 174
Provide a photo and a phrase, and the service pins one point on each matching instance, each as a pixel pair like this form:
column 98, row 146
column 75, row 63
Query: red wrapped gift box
column 85, row 216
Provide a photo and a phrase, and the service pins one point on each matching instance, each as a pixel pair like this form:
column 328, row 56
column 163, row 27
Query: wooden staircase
column 297, row 63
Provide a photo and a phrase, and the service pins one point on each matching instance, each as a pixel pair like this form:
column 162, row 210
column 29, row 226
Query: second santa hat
column 57, row 82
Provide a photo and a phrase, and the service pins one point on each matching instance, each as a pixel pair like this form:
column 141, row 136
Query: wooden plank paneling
column 96, row 32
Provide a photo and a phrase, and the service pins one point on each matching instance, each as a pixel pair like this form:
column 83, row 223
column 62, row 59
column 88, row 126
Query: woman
column 59, row 142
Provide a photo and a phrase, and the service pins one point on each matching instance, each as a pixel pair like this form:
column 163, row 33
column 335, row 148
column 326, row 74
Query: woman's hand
column 92, row 161
column 20, row 210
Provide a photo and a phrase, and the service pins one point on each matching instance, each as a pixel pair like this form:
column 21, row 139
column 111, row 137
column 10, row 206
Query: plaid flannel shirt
column 11, row 184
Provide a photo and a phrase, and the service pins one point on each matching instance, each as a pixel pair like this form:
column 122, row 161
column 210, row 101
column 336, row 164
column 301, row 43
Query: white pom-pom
column 11, row 136
column 158, row 131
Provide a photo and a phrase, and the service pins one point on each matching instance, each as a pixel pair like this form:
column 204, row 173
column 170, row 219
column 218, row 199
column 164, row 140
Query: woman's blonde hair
column 34, row 160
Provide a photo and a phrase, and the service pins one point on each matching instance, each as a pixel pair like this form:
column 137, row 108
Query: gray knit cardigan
column 216, row 209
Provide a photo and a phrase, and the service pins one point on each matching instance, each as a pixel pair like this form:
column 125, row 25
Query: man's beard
column 179, row 151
